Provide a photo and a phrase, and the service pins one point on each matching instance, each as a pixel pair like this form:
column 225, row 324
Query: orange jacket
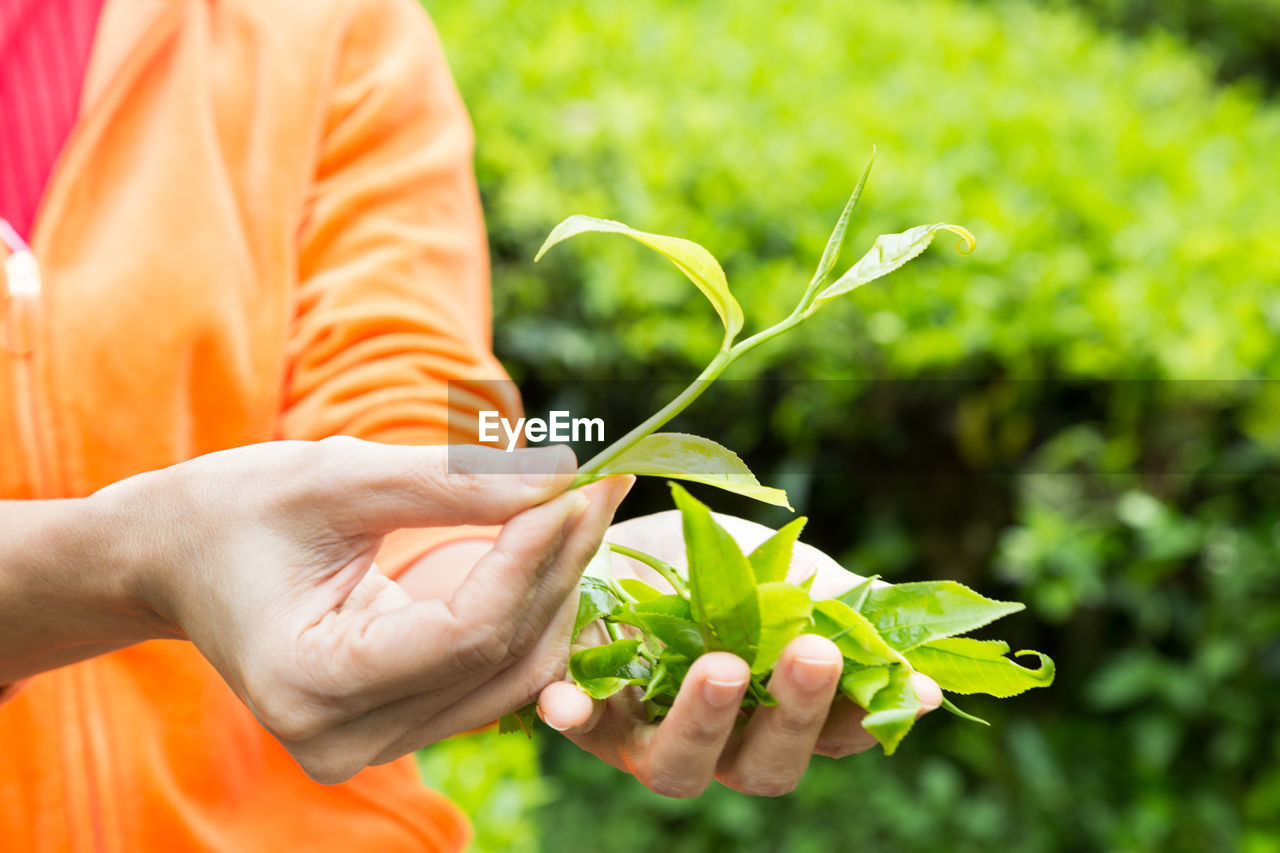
column 264, row 225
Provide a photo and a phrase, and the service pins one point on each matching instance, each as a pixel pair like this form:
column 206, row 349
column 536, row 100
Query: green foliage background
column 1110, row 351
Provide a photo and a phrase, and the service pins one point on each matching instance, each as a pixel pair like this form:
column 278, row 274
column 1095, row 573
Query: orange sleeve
column 390, row 338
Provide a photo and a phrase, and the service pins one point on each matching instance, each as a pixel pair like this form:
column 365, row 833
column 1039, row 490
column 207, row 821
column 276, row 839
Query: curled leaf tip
column 967, row 242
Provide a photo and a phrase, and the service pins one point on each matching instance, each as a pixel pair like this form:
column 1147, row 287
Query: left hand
column 706, row 736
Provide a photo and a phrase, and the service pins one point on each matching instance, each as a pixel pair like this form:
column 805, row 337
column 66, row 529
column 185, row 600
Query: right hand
column 263, row 557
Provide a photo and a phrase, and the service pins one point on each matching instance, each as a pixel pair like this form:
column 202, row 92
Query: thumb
column 392, row 486
column 564, row 707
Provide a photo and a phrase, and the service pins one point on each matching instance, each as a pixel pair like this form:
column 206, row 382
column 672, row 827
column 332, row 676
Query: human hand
column 705, row 735
column 263, row 557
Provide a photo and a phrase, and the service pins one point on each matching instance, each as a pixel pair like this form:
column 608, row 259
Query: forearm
column 67, row 591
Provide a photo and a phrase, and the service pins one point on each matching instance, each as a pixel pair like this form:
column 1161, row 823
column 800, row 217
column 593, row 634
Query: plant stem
column 668, row 572
column 589, row 472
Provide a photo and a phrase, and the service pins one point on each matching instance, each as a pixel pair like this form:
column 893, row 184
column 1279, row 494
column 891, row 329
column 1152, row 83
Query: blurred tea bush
column 1092, row 425
column 1242, row 37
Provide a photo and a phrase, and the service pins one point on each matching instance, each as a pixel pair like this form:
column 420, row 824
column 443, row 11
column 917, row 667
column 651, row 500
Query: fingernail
column 539, row 466
column 722, row 694
column 622, row 487
column 554, row 726
column 814, row 674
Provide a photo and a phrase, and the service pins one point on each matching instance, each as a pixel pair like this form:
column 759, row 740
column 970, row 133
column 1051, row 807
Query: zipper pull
column 20, row 305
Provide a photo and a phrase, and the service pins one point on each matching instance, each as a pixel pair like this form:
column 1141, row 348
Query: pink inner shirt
column 44, row 51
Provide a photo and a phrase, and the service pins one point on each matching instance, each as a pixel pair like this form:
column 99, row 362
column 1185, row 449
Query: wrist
column 126, row 527
column 64, row 594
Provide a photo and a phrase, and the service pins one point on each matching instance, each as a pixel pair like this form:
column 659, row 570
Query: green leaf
column 772, row 558
column 602, row 671
column 857, row 596
column 595, row 599
column 668, row 619
column 785, row 613
column 520, row 720
column 963, row 665
column 667, row 605
column 836, row 241
column 655, row 682
column 948, row 705
column 912, row 614
column 638, row 589
column 862, row 683
column 891, row 251
column 855, row 636
column 758, row 692
column 892, row 711
column 600, row 661
column 692, row 260
column 692, row 458
column 722, row 587
column 681, row 635
column 603, row 688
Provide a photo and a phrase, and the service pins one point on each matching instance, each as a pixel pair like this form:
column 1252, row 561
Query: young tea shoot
column 646, row 452
column 743, row 603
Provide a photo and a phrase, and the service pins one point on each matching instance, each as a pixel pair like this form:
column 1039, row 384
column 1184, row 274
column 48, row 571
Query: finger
column 565, row 708
column 432, row 643
column 434, row 716
column 499, row 591
column 502, row 607
column 581, row 543
column 561, row 704
column 410, row 723
column 843, row 733
column 427, row 648
column 779, row 740
column 927, row 691
column 388, row 487
column 685, row 749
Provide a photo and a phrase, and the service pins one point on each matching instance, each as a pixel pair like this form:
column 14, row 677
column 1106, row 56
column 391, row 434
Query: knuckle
column 326, row 454
column 844, row 749
column 461, row 468
column 548, row 669
column 760, row 784
column 328, row 768
column 797, row 722
column 454, row 489
column 335, row 444
column 698, row 732
column 289, row 720
column 522, row 641
column 676, row 786
column 486, row 647
column 289, row 712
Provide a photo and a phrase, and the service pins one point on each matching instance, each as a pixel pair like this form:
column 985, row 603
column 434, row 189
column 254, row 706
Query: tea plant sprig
column 644, row 450
column 743, row 603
